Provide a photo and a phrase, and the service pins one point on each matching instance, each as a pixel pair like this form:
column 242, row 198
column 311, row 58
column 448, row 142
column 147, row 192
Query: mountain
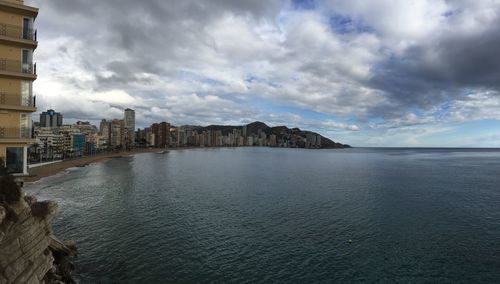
column 292, row 137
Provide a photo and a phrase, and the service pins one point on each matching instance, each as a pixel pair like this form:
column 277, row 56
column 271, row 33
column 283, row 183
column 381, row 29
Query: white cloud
column 405, row 65
column 339, row 125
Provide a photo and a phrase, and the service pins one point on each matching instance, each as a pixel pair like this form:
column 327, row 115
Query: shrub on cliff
column 43, row 209
column 9, row 190
column 3, row 169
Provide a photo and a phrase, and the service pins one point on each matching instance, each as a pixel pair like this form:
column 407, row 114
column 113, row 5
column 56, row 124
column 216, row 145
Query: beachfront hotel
column 17, row 73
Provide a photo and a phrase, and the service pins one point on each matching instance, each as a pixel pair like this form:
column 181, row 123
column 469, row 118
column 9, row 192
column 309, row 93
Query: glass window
column 26, row 93
column 26, row 28
column 14, row 161
column 26, row 56
column 25, row 125
column 26, row 59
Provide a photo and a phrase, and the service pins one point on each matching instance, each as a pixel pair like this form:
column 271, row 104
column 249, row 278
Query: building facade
column 50, row 118
column 17, row 73
column 129, row 119
column 161, row 134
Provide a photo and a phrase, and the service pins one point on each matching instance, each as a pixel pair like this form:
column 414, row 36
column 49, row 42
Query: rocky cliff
column 29, row 253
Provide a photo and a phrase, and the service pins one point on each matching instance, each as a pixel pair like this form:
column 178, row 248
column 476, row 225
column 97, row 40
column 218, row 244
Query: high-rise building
column 17, row 73
column 244, row 131
column 129, row 120
column 116, row 131
column 103, row 126
column 272, row 140
column 161, row 134
column 77, row 142
column 50, row 118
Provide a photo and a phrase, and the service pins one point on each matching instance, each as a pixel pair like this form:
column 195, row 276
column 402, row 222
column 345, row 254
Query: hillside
column 294, row 136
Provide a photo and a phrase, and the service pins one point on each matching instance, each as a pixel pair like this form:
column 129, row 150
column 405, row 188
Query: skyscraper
column 50, row 118
column 244, row 131
column 161, row 134
column 129, row 127
column 17, row 73
column 116, row 130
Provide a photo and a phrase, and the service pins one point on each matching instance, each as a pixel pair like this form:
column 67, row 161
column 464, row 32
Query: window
column 26, row 61
column 27, row 28
column 25, row 125
column 26, row 91
column 14, row 161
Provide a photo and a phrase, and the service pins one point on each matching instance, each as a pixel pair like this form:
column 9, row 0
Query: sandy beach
column 40, row 172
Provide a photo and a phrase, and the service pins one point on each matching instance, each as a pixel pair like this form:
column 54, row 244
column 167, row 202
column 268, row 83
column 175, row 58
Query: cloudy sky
column 367, row 73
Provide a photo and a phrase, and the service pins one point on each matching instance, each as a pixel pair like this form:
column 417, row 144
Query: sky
column 415, row 73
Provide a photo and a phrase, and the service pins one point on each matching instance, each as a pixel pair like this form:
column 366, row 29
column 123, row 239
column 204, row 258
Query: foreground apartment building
column 17, row 73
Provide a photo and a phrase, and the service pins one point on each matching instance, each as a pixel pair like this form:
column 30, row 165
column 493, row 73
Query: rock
column 30, row 199
column 3, row 214
column 67, row 248
column 25, row 238
column 70, row 244
column 44, row 209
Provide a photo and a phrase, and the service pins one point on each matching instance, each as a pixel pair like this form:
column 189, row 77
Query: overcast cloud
column 385, row 72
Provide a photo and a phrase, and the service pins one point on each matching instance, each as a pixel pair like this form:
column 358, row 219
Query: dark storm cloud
column 407, row 62
column 445, row 68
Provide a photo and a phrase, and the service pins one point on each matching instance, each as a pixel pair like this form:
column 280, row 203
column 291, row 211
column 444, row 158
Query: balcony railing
column 17, row 66
column 17, row 100
column 9, row 132
column 17, row 32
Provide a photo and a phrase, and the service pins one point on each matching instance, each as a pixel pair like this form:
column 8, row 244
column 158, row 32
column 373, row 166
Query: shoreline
column 51, row 169
column 40, row 172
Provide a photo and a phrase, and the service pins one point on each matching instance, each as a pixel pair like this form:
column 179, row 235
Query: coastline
column 51, row 169
column 44, row 171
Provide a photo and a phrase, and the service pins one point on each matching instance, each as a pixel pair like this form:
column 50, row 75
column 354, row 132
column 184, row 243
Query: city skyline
column 54, row 139
column 366, row 73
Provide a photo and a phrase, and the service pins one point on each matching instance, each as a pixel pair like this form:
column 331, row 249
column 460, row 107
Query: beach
column 43, row 171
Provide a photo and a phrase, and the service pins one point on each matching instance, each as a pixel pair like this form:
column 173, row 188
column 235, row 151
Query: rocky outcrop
column 29, row 253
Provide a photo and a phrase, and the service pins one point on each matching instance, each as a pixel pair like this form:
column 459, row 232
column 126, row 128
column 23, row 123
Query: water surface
column 248, row 215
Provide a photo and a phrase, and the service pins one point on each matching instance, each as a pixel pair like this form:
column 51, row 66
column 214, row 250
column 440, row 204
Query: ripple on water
column 283, row 215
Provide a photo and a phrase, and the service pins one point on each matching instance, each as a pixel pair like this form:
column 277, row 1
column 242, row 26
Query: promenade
column 47, row 169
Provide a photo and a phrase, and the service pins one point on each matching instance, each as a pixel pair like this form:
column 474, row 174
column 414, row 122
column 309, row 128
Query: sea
column 275, row 215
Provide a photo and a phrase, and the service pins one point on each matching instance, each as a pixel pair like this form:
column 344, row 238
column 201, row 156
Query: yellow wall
column 9, row 52
column 14, row 1
column 10, row 86
column 10, row 119
column 11, row 19
column 2, row 151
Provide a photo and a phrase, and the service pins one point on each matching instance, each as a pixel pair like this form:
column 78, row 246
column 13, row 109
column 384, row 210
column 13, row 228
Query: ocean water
column 264, row 215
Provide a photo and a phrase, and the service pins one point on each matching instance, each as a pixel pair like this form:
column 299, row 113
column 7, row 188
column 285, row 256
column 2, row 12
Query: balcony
column 10, row 132
column 18, row 36
column 15, row 68
column 17, row 102
column 17, row 32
